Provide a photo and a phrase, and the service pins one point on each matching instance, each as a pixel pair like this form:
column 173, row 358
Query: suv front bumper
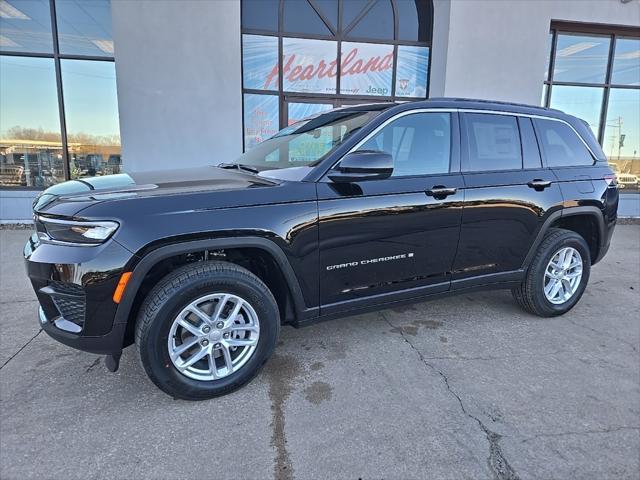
column 74, row 286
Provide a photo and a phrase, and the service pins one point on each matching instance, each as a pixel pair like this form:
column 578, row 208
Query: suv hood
column 70, row 197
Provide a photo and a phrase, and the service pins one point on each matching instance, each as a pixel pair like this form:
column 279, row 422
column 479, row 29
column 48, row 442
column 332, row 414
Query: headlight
column 68, row 231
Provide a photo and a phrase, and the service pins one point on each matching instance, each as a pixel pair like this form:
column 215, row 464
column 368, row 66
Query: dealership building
column 93, row 87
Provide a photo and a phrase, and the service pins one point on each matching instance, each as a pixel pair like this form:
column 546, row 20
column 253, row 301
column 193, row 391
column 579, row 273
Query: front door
column 380, row 237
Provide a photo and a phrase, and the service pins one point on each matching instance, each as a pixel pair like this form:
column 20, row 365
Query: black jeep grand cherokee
column 356, row 209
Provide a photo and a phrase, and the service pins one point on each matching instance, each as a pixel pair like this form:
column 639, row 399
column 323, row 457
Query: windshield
column 306, row 142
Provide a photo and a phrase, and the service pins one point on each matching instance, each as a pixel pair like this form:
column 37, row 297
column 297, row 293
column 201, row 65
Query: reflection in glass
column 261, row 118
column 366, row 69
column 581, row 58
column 84, row 27
column 260, row 14
column 30, row 140
column 25, row 26
column 626, row 62
column 621, row 141
column 376, row 24
column 414, row 20
column 309, row 66
column 300, row 111
column 582, row 102
column 548, row 64
column 91, row 109
column 260, row 62
column 299, row 17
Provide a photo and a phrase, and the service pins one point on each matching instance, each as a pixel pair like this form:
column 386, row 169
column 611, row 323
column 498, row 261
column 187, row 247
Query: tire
column 530, row 294
column 224, row 286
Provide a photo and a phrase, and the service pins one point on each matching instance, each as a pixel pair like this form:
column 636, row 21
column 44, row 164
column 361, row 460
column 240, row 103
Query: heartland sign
column 313, row 67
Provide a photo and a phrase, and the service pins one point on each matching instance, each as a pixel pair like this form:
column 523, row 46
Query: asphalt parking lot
column 465, row 387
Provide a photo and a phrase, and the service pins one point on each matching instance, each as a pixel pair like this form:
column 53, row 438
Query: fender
column 152, row 258
column 567, row 212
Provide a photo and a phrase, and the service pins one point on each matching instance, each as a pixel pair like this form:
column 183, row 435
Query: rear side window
column 420, row 143
column 561, row 145
column 494, row 143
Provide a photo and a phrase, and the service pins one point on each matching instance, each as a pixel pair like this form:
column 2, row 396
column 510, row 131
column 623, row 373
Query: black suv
column 356, row 209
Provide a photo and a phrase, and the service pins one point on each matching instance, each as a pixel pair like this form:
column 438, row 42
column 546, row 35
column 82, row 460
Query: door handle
column 538, row 184
column 440, row 191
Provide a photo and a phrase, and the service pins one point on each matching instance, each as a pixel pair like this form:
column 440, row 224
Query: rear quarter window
column 561, row 145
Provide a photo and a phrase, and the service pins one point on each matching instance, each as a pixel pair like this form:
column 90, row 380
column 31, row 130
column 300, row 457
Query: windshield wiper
column 238, row 166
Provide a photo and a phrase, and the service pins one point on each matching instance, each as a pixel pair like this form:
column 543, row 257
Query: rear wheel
column 206, row 329
column 557, row 276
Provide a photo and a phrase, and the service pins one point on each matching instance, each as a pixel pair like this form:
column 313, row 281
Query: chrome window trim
column 461, row 110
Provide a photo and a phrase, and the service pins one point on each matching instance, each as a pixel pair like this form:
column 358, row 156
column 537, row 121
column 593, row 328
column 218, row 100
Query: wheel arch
column 586, row 221
column 292, row 306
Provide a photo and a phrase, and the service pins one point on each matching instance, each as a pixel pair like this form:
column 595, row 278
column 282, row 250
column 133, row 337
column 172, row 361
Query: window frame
column 613, row 32
column 339, row 34
column 56, row 56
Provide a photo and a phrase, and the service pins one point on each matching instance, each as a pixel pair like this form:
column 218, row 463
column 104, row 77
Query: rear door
column 381, row 239
column 508, row 196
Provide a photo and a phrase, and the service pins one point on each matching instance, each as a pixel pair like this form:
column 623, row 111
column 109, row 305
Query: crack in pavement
column 21, row 348
column 93, row 365
column 496, row 461
column 584, row 432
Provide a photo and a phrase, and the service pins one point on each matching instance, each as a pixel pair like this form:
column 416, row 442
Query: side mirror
column 362, row 165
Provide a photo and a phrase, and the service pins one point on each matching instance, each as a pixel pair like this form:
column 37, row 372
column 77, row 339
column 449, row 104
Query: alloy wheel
column 562, row 275
column 214, row 336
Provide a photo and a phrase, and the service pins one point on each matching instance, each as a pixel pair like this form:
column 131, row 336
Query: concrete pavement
column 465, row 387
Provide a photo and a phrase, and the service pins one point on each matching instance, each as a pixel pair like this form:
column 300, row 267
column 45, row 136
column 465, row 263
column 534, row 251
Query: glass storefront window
column 91, row 110
column 411, row 75
column 626, row 62
column 366, row 69
column 25, row 26
column 309, row 66
column 581, row 58
column 621, row 142
column 84, row 27
column 260, row 62
column 261, row 118
column 583, row 102
column 333, row 52
column 30, row 139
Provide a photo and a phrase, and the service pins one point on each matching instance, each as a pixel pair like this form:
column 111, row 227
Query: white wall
column 179, row 85
column 498, row 49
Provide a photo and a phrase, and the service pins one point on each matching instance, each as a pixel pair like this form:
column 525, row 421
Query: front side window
column 561, row 145
column 494, row 143
column 420, row 144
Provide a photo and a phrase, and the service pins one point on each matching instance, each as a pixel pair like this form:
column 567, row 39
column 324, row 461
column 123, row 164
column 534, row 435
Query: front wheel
column 557, row 276
column 206, row 329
